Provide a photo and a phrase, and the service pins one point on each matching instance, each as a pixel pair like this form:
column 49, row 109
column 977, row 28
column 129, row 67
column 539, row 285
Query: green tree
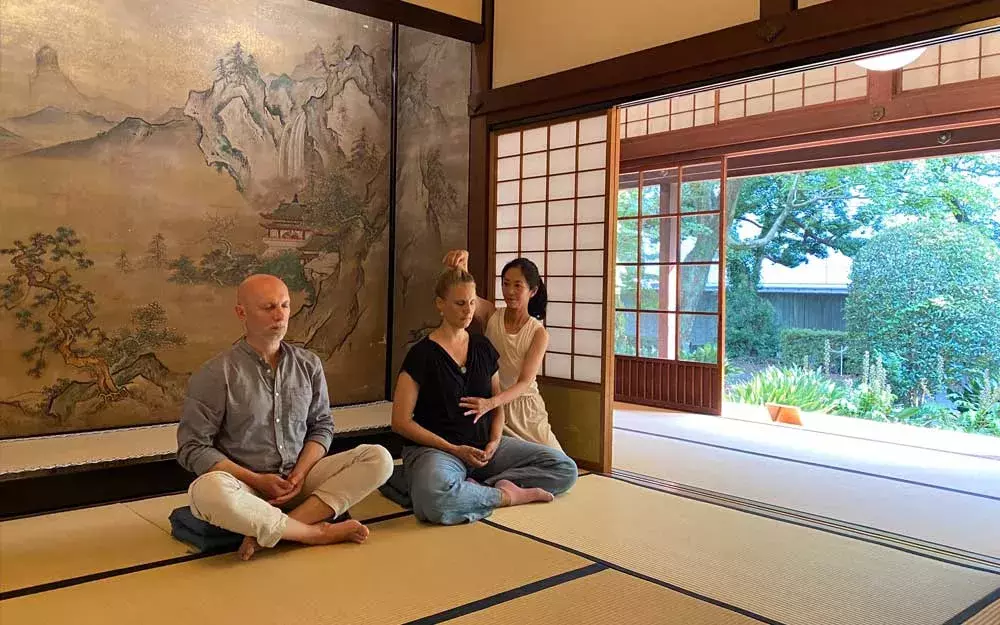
column 43, row 282
column 156, row 252
column 288, row 267
column 797, row 215
column 923, row 290
column 146, row 332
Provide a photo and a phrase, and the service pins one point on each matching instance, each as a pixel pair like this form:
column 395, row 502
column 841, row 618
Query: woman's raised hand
column 459, row 259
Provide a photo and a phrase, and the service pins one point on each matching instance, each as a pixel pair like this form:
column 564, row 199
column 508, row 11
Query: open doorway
column 858, row 249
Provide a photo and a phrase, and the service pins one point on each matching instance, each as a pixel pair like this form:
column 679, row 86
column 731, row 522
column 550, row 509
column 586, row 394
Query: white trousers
column 339, row 481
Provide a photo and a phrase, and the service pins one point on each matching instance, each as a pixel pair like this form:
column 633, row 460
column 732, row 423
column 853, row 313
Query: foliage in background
column 808, row 389
column 923, row 290
column 797, row 344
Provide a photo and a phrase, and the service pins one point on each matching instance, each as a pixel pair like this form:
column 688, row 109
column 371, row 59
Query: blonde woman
column 457, row 467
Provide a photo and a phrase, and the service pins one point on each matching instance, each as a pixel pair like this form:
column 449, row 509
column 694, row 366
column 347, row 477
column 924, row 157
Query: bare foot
column 249, row 547
column 346, row 531
column 515, row 495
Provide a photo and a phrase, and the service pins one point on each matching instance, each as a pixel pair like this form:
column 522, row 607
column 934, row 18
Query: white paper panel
column 563, row 161
column 589, row 316
column 561, row 237
column 557, row 365
column 534, row 165
column 507, row 216
column 533, row 189
column 590, row 263
column 560, row 263
column 590, row 209
column 593, row 129
column 506, row 241
column 590, row 290
column 509, row 144
column 509, row 168
column 533, row 214
column 561, row 187
column 497, row 291
column 561, row 212
column 593, row 156
column 560, row 289
column 532, row 239
column 534, row 140
column 508, row 192
column 538, row 258
column 591, row 183
column 560, row 340
column 588, row 342
column 662, row 124
column 501, row 260
column 563, row 135
column 558, row 313
column 587, row 369
column 590, row 237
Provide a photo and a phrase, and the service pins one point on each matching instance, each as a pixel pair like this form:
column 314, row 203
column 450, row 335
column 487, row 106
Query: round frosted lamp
column 890, row 62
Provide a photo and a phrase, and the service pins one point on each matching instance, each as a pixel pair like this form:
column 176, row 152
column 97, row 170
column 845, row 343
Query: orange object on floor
column 781, row 413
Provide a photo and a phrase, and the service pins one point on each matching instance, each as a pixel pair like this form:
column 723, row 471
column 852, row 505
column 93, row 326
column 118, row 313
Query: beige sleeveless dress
column 526, row 417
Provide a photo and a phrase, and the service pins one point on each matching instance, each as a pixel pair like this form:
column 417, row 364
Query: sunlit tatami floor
column 695, row 527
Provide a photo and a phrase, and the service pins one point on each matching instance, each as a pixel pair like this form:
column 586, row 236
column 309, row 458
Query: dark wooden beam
column 479, row 158
column 774, row 8
column 962, row 140
column 814, row 34
column 406, row 14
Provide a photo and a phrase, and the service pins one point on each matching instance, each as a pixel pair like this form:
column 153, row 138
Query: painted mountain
column 151, row 220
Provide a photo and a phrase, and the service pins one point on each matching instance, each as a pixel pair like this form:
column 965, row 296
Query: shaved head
column 263, row 305
column 252, row 287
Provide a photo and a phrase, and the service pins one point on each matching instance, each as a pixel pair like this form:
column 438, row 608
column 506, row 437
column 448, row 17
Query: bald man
column 256, row 429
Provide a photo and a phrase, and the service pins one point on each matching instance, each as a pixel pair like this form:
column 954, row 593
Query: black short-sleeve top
column 443, row 383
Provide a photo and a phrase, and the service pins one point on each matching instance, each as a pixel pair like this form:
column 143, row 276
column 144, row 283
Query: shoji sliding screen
column 553, row 203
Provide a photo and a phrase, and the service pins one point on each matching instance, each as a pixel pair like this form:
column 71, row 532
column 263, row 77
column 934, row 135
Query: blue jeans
column 441, row 494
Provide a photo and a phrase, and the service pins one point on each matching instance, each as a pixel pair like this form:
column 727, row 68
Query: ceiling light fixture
column 890, row 62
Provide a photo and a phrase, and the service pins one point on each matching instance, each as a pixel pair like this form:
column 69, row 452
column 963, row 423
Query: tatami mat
column 603, row 598
column 46, row 452
column 989, row 616
column 54, row 547
column 939, row 516
column 157, row 510
column 405, row 571
column 795, row 575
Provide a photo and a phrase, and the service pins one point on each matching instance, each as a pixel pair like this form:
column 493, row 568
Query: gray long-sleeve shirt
column 237, row 407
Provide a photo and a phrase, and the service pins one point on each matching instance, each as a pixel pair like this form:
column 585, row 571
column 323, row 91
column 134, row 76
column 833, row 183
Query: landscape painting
column 152, row 155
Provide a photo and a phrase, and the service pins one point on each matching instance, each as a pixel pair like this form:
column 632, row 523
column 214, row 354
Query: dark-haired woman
column 517, row 333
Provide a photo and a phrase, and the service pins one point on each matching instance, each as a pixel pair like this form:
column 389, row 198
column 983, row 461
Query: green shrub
column 926, row 290
column 808, row 389
column 979, row 389
column 751, row 327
